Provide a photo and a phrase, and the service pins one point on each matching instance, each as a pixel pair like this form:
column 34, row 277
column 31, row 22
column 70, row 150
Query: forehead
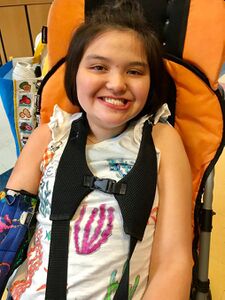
column 120, row 43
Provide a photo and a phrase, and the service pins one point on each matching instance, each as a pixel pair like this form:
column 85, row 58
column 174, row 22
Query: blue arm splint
column 17, row 224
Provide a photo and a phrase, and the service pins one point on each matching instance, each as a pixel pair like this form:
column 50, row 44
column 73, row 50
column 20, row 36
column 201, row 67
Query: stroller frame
column 173, row 21
column 179, row 30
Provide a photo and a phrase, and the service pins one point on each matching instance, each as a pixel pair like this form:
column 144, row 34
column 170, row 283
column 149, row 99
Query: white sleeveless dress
column 98, row 246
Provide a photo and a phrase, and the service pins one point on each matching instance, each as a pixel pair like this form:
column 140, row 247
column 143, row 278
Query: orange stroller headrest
column 203, row 44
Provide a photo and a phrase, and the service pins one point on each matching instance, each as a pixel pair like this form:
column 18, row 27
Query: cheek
column 143, row 90
column 85, row 84
column 82, row 84
column 87, row 87
column 80, row 87
column 79, row 82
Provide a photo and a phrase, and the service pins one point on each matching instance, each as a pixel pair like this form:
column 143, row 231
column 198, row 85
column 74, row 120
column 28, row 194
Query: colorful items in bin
column 19, row 98
column 23, row 70
column 17, row 222
column 26, row 105
column 25, row 86
column 20, row 79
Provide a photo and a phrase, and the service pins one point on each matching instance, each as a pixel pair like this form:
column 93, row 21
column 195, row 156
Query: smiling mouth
column 113, row 101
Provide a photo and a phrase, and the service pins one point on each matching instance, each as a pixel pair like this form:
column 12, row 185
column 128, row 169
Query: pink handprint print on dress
column 91, row 243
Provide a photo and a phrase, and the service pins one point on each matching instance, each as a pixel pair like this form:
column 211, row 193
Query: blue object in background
column 4, row 178
column 6, row 93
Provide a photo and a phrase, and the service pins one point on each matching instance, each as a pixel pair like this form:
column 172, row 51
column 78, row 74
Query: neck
column 97, row 136
column 94, row 139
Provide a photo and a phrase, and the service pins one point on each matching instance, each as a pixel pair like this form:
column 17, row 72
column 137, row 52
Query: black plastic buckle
column 105, row 185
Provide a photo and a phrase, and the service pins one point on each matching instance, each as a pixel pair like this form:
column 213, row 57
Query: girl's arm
column 171, row 259
column 26, row 173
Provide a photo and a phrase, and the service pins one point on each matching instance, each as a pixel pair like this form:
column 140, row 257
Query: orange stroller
column 194, row 45
column 194, row 57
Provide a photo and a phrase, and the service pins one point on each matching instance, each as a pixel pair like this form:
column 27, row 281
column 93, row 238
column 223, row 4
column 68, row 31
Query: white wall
column 7, row 146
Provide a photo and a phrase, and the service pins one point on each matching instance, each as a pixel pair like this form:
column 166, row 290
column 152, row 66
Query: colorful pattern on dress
column 153, row 215
column 48, row 155
column 44, row 193
column 121, row 166
column 34, row 261
column 47, row 158
column 100, row 234
column 114, row 284
column 48, row 235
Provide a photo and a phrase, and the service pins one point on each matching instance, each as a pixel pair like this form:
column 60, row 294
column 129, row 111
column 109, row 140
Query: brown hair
column 123, row 15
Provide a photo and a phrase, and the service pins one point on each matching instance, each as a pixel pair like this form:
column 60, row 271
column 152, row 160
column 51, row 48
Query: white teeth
column 114, row 101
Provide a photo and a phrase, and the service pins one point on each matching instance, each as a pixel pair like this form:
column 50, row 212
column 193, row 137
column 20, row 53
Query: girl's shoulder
column 26, row 173
column 60, row 123
column 165, row 136
column 172, row 151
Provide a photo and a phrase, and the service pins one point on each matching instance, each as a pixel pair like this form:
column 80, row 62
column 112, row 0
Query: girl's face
column 113, row 81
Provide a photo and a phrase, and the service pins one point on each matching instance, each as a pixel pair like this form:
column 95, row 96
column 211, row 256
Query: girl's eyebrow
column 94, row 56
column 132, row 63
column 138, row 63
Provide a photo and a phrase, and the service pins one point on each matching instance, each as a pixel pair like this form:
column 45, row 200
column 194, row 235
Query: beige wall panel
column 14, row 30
column 38, row 15
column 2, row 54
column 217, row 253
column 22, row 2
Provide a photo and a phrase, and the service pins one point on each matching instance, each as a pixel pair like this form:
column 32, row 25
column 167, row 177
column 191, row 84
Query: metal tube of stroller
column 205, row 236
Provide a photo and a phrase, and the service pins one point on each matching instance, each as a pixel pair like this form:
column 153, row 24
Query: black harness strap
column 68, row 192
column 135, row 194
column 58, row 261
column 142, row 181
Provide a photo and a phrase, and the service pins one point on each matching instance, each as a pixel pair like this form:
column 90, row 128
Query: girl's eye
column 98, row 68
column 135, row 72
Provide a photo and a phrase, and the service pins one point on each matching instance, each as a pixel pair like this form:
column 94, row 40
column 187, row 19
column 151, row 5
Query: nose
column 116, row 83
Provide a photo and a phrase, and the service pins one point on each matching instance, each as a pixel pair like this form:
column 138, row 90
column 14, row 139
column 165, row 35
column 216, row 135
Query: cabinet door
column 38, row 15
column 14, row 30
column 2, row 54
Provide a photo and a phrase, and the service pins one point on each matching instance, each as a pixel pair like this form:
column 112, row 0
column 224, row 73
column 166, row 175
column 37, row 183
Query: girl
column 115, row 73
